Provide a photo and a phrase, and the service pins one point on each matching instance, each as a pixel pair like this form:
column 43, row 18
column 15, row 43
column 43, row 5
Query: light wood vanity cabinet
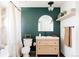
column 47, row 47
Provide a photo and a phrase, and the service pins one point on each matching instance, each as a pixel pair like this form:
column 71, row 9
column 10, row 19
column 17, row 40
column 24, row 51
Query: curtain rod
column 15, row 6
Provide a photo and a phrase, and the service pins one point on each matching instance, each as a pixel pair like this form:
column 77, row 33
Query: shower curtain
column 0, row 25
column 13, row 28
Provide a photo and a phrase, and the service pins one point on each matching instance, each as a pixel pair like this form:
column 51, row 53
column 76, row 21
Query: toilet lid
column 27, row 42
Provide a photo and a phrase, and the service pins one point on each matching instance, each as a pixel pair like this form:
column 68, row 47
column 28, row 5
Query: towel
column 68, row 36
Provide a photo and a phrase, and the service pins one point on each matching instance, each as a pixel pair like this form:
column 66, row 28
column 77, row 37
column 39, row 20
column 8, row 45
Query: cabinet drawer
column 47, row 42
column 47, row 49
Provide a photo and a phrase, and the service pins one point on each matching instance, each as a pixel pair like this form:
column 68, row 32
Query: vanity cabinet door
column 47, row 42
column 47, row 49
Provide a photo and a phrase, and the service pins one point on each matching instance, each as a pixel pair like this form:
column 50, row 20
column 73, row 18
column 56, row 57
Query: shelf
column 71, row 13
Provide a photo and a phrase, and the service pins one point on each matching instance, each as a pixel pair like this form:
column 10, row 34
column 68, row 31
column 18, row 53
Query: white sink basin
column 46, row 37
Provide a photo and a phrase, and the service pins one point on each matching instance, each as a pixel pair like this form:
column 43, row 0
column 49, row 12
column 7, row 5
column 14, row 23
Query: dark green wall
column 30, row 16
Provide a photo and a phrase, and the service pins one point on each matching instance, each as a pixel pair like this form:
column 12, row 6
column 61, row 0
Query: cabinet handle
column 39, row 48
column 55, row 42
column 55, row 48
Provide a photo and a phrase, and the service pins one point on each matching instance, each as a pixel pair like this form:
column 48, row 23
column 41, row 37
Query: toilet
column 26, row 49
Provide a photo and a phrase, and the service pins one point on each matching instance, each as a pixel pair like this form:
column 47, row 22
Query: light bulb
column 49, row 9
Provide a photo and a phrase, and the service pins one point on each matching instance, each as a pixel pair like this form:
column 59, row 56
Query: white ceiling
column 33, row 3
column 37, row 3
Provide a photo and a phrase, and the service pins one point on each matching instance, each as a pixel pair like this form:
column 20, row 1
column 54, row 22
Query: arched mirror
column 45, row 23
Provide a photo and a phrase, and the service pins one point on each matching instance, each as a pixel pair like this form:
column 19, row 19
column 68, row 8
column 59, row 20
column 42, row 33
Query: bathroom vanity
column 47, row 45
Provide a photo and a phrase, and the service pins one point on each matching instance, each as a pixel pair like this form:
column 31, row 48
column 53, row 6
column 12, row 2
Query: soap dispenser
column 39, row 34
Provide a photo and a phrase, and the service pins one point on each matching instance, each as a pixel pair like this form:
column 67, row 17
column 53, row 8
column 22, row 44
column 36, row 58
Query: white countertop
column 46, row 37
column 27, row 38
